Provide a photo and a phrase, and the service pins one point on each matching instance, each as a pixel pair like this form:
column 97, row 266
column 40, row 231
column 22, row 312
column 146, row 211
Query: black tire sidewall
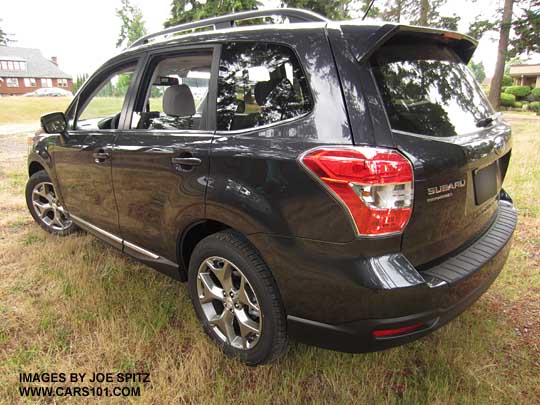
column 211, row 246
column 36, row 178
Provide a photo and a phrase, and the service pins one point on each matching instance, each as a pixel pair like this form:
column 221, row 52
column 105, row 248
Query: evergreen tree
column 477, row 70
column 502, row 49
column 333, row 9
column 183, row 11
column 132, row 27
column 4, row 40
column 526, row 29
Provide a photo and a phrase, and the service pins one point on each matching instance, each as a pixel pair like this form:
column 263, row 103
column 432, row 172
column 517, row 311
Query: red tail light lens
column 374, row 184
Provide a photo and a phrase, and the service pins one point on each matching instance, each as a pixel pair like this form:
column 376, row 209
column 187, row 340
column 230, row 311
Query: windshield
column 429, row 91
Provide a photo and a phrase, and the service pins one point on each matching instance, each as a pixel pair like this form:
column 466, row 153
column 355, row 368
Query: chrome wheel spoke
column 246, row 324
column 210, row 291
column 244, row 298
column 224, row 323
column 223, row 274
column 41, row 208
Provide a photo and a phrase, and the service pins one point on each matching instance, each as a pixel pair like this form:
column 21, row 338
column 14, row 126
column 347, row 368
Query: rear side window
column 428, row 90
column 259, row 84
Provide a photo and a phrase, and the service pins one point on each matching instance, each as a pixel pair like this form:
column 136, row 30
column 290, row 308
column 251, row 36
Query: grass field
column 76, row 305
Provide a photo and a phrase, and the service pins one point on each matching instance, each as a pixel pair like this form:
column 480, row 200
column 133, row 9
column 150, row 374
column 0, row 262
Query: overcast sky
column 82, row 34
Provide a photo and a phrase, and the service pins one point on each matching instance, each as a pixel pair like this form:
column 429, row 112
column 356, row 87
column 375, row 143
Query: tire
column 42, row 203
column 255, row 303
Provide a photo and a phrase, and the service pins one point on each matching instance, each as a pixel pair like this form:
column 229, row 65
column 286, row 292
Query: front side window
column 102, row 110
column 429, row 91
column 177, row 94
column 259, row 84
column 12, row 82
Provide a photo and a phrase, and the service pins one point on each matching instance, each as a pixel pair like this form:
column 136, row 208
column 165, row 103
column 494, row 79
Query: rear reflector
column 396, row 331
column 374, row 184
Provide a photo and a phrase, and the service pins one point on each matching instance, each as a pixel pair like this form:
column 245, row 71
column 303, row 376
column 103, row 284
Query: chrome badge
column 444, row 190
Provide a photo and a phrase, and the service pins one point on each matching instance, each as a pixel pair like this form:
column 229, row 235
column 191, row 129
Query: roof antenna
column 368, row 9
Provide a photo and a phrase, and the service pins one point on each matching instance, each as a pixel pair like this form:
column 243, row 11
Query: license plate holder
column 485, row 182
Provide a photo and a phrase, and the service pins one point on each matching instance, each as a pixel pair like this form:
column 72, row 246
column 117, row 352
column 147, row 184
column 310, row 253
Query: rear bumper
column 431, row 297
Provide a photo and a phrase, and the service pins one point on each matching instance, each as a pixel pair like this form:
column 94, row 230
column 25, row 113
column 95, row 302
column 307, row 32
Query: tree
column 79, row 81
column 477, row 70
column 191, row 10
column 333, row 9
column 496, row 82
column 132, row 24
column 526, row 29
column 4, row 40
column 418, row 12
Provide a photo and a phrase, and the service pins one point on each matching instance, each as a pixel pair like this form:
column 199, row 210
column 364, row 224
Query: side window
column 176, row 93
column 102, row 110
column 259, row 84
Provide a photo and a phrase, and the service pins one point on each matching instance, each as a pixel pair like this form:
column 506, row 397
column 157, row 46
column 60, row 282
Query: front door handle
column 101, row 156
column 186, row 161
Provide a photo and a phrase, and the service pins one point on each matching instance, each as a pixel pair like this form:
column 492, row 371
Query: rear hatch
column 441, row 120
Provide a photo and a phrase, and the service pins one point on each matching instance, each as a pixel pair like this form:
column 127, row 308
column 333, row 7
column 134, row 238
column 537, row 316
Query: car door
column 83, row 157
column 160, row 163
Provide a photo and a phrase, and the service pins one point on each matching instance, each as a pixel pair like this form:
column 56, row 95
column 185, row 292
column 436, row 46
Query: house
column 526, row 74
column 23, row 70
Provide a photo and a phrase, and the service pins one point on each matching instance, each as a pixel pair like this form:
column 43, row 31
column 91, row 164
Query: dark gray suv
column 337, row 182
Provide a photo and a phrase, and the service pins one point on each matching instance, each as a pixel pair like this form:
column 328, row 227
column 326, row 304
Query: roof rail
column 227, row 21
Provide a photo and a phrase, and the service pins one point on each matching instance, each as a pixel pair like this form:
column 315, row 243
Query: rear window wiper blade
column 484, row 122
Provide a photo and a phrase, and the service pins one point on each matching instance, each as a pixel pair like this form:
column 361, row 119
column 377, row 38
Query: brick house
column 23, row 70
column 526, row 74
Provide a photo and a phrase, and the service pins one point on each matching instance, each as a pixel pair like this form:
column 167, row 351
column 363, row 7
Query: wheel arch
column 196, row 232
column 35, row 167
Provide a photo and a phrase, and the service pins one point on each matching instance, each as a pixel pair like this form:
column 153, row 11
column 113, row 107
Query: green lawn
column 27, row 110
column 76, row 305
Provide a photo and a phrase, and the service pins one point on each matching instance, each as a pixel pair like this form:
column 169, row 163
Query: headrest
column 262, row 89
column 178, row 101
column 240, row 106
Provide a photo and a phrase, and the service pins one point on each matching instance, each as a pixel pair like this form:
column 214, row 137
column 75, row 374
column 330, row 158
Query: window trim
column 11, row 86
column 147, row 71
column 93, row 86
column 277, row 123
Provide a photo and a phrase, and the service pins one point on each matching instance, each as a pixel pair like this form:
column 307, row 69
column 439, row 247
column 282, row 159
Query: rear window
column 428, row 90
column 259, row 84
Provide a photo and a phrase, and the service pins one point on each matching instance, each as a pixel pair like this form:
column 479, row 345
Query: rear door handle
column 101, row 156
column 186, row 161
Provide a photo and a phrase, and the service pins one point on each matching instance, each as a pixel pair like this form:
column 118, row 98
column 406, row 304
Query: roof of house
column 525, row 70
column 36, row 64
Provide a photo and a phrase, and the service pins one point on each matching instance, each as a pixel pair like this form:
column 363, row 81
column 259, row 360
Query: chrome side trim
column 95, row 228
column 115, row 238
column 140, row 250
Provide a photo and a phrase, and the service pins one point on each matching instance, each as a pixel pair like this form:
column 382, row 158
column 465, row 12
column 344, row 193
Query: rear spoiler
column 364, row 40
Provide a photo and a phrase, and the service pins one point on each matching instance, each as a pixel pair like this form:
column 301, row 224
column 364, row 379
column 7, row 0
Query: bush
column 503, row 89
column 507, row 100
column 535, row 93
column 535, row 106
column 506, row 81
column 518, row 104
column 518, row 91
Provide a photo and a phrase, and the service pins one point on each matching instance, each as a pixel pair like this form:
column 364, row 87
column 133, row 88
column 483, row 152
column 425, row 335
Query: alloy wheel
column 47, row 208
column 229, row 303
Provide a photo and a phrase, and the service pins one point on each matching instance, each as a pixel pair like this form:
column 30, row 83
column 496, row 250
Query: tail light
column 375, row 185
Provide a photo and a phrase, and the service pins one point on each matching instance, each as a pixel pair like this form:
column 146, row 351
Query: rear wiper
column 484, row 122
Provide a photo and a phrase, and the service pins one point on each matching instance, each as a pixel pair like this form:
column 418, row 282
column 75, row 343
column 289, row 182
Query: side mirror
column 54, row 123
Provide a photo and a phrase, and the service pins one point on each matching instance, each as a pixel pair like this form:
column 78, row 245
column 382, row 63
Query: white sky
column 82, row 34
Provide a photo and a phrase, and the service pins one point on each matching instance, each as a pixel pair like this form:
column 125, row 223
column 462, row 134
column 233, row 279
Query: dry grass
column 76, row 305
